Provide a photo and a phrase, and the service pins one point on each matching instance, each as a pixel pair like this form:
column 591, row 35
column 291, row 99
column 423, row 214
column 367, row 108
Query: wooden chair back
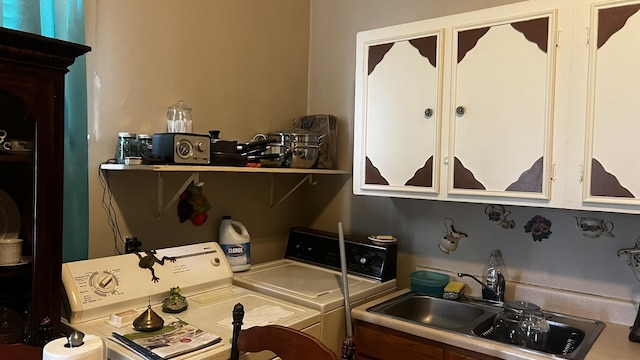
column 287, row 343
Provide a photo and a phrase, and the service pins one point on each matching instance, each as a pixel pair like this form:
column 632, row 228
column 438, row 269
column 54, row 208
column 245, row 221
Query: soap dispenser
column 494, row 276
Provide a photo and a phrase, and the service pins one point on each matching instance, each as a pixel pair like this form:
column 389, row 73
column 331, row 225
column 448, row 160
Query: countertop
column 613, row 342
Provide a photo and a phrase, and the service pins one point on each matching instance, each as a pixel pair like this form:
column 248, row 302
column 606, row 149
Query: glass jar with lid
column 145, row 142
column 522, row 323
column 535, row 330
column 507, row 324
column 179, row 118
column 126, row 146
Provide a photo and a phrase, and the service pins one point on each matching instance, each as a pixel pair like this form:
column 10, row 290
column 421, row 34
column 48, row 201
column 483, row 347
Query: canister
column 126, row 146
column 145, row 143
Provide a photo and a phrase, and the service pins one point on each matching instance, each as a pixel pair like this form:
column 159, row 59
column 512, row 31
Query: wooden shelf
column 212, row 168
column 13, row 158
column 194, row 177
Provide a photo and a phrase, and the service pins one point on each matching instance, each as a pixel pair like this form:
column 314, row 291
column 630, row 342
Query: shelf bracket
column 308, row 177
column 194, row 178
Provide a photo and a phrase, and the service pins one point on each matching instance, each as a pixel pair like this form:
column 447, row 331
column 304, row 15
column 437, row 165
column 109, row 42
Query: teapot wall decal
column 451, row 237
column 594, row 228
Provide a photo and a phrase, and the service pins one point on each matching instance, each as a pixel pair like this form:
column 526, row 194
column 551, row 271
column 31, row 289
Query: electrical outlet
column 132, row 244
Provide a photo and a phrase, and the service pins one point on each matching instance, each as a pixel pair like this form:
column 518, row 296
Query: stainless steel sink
column 570, row 337
column 436, row 312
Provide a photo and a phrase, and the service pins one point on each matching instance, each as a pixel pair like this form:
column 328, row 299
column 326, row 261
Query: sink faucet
column 488, row 293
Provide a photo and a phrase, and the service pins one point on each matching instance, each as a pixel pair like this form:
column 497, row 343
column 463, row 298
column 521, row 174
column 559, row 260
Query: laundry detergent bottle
column 236, row 244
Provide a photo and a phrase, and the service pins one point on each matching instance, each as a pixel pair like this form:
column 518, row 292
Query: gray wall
column 566, row 260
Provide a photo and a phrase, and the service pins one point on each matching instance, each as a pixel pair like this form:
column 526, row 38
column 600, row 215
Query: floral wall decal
column 498, row 215
column 539, row 227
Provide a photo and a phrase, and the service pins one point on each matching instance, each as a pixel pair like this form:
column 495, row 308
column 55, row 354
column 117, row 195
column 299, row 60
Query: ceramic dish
column 9, row 217
column 382, row 239
column 23, row 261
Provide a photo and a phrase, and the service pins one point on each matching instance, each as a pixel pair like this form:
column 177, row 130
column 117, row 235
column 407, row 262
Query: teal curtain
column 64, row 20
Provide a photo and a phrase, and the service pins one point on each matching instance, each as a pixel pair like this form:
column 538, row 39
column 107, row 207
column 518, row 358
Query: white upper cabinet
column 502, row 116
column 531, row 103
column 612, row 146
column 397, row 140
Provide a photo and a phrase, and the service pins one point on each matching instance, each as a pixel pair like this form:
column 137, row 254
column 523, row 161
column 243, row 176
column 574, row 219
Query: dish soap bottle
column 494, row 273
column 235, row 242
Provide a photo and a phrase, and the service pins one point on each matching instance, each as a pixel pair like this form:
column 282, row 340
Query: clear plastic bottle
column 235, row 242
column 494, row 276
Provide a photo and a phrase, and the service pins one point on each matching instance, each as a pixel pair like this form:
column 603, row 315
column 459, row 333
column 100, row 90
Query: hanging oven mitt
column 193, row 205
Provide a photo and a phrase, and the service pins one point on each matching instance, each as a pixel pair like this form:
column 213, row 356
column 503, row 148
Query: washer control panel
column 97, row 287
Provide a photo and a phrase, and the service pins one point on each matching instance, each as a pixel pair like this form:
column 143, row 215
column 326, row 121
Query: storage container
column 431, row 283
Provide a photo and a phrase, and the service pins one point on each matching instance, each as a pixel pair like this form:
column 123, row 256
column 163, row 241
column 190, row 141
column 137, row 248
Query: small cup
column 17, row 145
column 10, row 251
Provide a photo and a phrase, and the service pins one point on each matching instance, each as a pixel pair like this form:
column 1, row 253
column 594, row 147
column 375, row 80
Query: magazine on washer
column 174, row 339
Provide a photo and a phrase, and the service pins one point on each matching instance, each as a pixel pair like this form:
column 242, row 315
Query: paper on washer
column 260, row 316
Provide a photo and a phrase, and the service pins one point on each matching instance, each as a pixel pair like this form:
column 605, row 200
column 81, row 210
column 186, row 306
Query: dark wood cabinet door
column 374, row 342
column 32, row 76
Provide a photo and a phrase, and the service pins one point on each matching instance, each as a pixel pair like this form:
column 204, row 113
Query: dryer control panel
column 321, row 248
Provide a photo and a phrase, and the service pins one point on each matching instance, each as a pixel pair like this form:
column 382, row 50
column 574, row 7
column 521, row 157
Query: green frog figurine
column 175, row 303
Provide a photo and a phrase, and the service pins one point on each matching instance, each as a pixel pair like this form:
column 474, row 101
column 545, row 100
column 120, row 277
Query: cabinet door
column 375, row 342
column 501, row 115
column 612, row 149
column 397, row 116
column 461, row 354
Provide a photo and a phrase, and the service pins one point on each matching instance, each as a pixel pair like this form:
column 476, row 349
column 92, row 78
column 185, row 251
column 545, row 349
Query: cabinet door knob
column 428, row 113
column 460, row 110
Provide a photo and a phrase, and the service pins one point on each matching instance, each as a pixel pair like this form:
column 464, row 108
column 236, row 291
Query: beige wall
column 566, row 260
column 241, row 65
column 250, row 66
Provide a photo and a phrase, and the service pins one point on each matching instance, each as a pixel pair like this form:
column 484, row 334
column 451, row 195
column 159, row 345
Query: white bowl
column 10, row 251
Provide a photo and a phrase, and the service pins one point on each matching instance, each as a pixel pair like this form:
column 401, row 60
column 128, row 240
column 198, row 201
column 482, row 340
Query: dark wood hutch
column 32, row 77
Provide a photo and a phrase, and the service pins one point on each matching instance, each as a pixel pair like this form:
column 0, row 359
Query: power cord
column 107, row 205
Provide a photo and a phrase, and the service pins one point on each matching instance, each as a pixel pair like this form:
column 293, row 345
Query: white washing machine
column 309, row 275
column 99, row 290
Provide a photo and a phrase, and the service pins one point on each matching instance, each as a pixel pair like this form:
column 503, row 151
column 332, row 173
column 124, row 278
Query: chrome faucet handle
column 498, row 295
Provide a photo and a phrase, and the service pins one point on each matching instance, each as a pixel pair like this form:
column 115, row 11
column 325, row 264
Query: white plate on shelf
column 18, row 151
column 9, row 217
column 383, row 239
column 23, row 261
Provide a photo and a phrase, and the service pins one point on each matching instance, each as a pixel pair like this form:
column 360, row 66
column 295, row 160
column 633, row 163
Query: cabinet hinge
column 553, row 172
column 581, row 173
column 587, row 35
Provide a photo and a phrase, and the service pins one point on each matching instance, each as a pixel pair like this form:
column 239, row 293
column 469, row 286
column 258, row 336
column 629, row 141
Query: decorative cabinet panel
column 398, row 127
column 612, row 149
column 502, row 118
